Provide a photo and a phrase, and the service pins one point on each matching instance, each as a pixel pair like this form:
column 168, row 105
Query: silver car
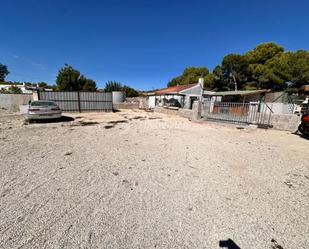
column 43, row 109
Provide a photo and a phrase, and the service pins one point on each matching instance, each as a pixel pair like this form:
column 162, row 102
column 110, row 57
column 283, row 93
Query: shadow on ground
column 229, row 244
column 118, row 122
column 305, row 137
column 300, row 135
column 63, row 119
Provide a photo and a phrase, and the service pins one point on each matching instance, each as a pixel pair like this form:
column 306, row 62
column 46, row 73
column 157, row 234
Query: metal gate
column 242, row 113
column 80, row 101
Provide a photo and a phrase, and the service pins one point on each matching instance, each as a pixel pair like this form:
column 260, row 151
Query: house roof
column 149, row 93
column 174, row 89
column 239, row 93
column 206, row 92
column 305, row 88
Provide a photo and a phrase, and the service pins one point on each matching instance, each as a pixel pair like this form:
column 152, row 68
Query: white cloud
column 38, row 65
column 32, row 63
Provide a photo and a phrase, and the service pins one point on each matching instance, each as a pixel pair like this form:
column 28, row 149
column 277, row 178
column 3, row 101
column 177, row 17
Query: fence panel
column 247, row 113
column 67, row 101
column 93, row 101
column 80, row 101
column 260, row 113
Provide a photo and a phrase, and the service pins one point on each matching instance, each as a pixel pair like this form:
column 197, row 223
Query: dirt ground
column 134, row 179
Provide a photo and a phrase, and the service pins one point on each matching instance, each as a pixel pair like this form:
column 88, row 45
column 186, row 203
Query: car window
column 43, row 103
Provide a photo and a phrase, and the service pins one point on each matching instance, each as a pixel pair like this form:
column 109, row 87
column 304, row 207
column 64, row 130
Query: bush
column 12, row 90
column 117, row 86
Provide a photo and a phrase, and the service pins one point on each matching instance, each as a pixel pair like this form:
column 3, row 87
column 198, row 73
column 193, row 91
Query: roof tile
column 174, row 89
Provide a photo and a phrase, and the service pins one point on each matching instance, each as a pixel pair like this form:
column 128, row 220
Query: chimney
column 201, row 82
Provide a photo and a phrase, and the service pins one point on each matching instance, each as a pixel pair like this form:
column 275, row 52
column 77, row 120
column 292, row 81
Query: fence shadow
column 229, row 244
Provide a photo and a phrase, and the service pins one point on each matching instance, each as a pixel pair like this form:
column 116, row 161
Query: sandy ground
column 134, row 179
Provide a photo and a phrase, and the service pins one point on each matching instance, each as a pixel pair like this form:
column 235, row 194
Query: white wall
column 281, row 108
column 286, row 122
column 118, row 96
column 196, row 90
column 13, row 101
column 151, row 101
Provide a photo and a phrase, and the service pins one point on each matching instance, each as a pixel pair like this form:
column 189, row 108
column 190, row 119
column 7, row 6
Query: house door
column 192, row 99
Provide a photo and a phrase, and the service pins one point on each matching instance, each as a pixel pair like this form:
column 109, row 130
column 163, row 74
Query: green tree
column 234, row 68
column 130, row 92
column 87, row 85
column 70, row 79
column 195, row 72
column 292, row 68
column 219, row 83
column 111, row 86
column 189, row 76
column 259, row 74
column 14, row 90
column 3, row 72
column 263, row 52
column 175, row 81
column 264, row 77
column 265, row 66
column 42, row 84
column 299, row 67
column 209, row 81
column 250, row 71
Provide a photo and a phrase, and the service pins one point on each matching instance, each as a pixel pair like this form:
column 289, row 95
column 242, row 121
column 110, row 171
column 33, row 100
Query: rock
column 275, row 244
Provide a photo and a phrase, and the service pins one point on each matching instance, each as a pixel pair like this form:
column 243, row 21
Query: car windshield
column 43, row 103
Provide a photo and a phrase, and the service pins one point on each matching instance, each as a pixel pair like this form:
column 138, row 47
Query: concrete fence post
column 35, row 96
column 197, row 110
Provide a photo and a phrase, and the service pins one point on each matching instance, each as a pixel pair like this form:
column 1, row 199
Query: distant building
column 304, row 90
column 180, row 96
column 26, row 89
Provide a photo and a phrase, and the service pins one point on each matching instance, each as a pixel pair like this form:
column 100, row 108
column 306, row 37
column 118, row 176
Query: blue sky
column 140, row 43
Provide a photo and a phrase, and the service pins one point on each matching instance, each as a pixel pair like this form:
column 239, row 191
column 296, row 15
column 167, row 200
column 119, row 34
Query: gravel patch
column 135, row 179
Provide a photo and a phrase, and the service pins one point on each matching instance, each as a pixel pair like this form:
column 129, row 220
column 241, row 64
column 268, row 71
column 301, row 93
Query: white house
column 181, row 96
column 24, row 88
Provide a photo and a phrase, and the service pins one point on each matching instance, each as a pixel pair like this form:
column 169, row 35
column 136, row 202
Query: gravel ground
column 135, row 179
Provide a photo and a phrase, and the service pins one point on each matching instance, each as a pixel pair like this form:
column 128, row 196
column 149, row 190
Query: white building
column 24, row 88
column 180, row 96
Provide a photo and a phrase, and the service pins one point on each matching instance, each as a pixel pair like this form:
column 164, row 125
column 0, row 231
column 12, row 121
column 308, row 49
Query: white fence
column 249, row 113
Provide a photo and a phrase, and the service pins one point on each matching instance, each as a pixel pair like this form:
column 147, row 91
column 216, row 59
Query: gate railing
column 248, row 113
